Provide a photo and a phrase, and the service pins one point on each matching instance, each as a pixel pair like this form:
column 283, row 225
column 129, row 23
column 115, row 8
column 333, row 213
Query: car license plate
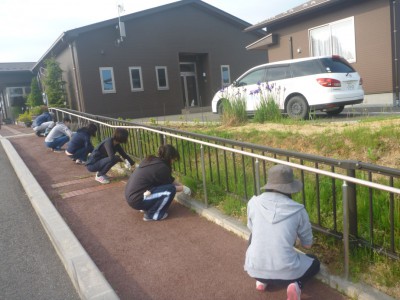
column 351, row 85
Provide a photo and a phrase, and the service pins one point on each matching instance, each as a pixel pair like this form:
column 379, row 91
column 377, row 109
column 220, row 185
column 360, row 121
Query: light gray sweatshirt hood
column 276, row 208
column 275, row 221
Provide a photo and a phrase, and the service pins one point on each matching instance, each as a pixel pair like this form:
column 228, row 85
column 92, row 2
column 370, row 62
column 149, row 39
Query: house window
column 225, row 75
column 107, row 80
column 337, row 38
column 135, row 74
column 162, row 78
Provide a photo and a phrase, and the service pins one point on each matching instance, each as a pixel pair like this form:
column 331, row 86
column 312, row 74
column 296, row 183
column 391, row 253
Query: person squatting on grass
column 104, row 157
column 276, row 222
column 80, row 145
column 59, row 135
column 151, row 187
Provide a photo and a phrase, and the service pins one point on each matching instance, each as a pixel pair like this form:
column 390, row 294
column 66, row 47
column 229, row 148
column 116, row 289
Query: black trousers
column 311, row 271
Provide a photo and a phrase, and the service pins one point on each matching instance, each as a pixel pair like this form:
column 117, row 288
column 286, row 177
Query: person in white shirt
column 59, row 135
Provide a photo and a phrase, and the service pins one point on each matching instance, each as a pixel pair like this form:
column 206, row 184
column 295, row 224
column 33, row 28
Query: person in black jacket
column 80, row 145
column 151, row 187
column 104, row 157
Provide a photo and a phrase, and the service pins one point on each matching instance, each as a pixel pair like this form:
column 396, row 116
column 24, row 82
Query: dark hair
column 166, row 153
column 66, row 119
column 91, row 129
column 121, row 135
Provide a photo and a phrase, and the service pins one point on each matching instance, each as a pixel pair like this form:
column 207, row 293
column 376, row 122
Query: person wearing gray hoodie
column 276, row 222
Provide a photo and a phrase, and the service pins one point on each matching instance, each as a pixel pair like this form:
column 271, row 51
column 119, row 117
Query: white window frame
column 141, row 88
column 166, row 87
column 228, row 70
column 351, row 44
column 107, row 91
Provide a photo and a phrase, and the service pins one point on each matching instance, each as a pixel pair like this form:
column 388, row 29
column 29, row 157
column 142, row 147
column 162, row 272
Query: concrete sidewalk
column 109, row 252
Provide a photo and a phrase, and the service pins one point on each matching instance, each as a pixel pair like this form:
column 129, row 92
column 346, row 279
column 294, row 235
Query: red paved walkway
column 182, row 257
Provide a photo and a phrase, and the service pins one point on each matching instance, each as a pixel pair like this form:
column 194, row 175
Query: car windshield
column 336, row 65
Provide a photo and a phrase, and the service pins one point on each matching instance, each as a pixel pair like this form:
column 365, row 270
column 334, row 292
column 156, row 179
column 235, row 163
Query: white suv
column 298, row 86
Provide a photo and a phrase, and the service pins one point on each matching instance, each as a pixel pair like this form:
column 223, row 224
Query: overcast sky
column 30, row 27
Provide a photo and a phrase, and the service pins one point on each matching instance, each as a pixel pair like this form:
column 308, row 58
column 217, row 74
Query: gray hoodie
column 59, row 130
column 275, row 222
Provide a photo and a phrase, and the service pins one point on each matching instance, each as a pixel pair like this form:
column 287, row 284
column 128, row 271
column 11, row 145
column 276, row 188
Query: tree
column 35, row 96
column 53, row 83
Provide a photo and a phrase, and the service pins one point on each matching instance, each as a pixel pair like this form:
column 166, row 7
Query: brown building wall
column 159, row 40
column 372, row 35
column 64, row 58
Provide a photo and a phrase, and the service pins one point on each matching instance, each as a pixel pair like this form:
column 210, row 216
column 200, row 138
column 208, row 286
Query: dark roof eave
column 297, row 13
column 61, row 39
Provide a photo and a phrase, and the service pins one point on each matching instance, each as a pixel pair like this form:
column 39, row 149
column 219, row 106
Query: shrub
column 35, row 111
column 25, row 117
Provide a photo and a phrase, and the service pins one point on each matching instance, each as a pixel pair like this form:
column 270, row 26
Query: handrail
column 253, row 155
column 348, row 187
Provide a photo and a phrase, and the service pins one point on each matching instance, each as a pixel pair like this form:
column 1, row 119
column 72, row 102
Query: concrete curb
column 352, row 290
column 86, row 277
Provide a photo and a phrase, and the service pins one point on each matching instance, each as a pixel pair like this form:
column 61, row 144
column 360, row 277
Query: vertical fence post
column 203, row 171
column 162, row 138
column 351, row 196
column 139, row 143
column 346, row 229
column 257, row 166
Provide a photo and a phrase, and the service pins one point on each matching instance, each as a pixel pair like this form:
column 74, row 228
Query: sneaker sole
column 292, row 293
column 148, row 219
column 102, row 181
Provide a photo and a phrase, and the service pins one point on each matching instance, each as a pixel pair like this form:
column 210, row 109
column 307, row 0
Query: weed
column 153, row 121
column 267, row 110
column 234, row 112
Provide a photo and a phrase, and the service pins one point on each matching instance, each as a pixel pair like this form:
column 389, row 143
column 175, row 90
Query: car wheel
column 297, row 108
column 334, row 111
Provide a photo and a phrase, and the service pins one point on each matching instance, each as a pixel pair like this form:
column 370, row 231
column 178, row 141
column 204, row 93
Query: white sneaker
column 260, row 286
column 293, row 291
column 105, row 176
column 146, row 218
column 102, row 179
column 80, row 162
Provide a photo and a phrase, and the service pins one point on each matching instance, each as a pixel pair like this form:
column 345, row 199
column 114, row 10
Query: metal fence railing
column 349, row 200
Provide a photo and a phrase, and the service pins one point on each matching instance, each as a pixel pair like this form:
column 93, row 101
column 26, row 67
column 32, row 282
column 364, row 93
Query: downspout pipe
column 291, row 47
column 396, row 54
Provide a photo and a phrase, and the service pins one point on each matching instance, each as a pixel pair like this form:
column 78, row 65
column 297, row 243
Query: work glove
column 186, row 190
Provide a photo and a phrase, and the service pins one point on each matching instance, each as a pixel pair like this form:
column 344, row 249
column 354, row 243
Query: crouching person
column 151, row 187
column 104, row 156
column 42, row 122
column 275, row 222
column 81, row 145
column 59, row 135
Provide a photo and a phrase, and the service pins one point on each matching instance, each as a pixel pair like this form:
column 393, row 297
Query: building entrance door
column 189, row 84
